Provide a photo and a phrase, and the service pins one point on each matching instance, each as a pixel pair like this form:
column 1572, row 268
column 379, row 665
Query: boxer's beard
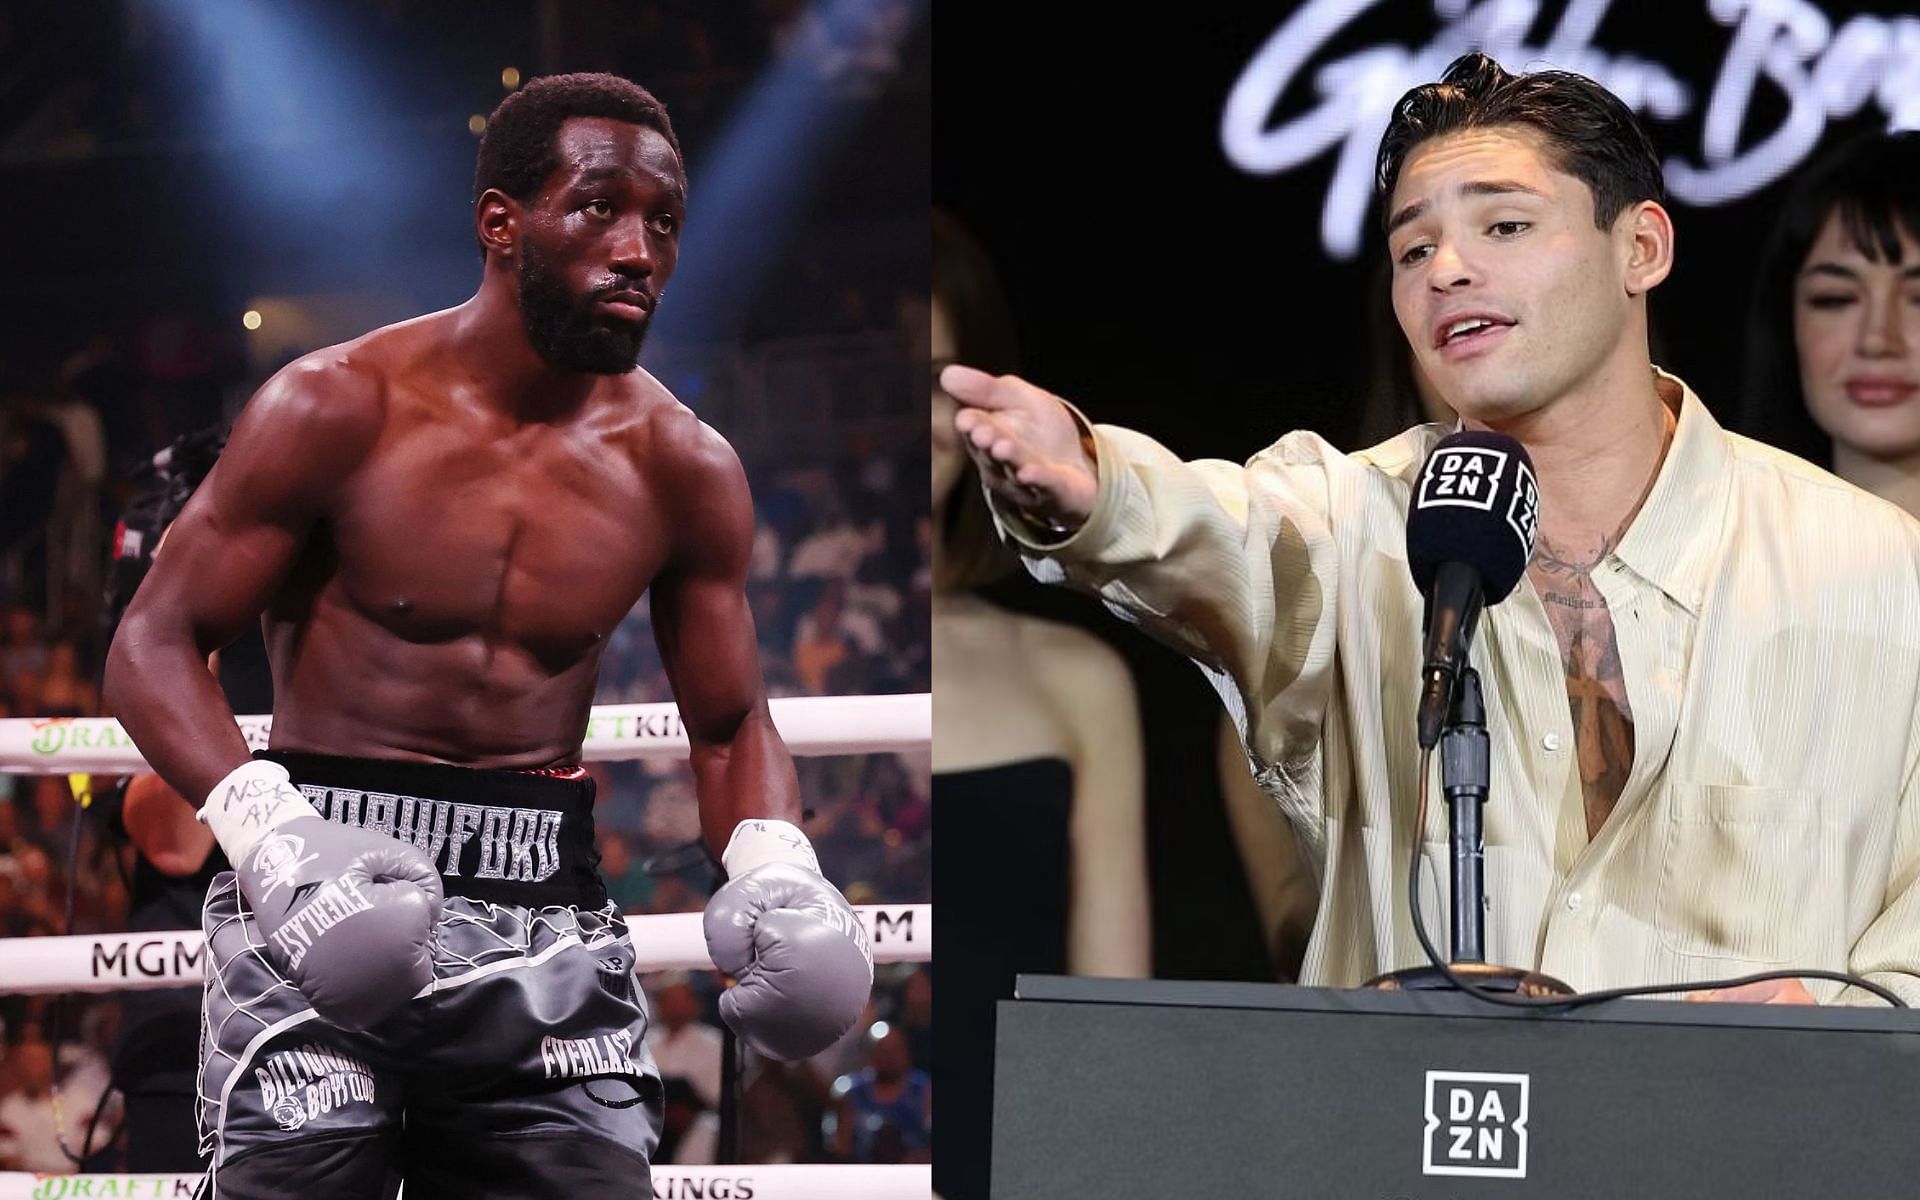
column 564, row 329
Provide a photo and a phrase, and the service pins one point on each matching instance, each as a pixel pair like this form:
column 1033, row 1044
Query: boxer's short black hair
column 517, row 151
column 1590, row 133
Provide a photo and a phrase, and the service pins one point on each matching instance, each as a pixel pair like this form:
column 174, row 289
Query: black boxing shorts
column 521, row 1071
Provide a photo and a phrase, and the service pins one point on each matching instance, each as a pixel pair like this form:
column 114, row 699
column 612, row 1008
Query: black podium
column 1157, row 1089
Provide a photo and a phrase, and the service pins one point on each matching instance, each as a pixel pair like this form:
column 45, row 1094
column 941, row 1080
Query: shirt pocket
column 1740, row 873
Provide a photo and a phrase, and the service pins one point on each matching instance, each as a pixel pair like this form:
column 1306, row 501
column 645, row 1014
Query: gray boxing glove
column 794, row 946
column 347, row 914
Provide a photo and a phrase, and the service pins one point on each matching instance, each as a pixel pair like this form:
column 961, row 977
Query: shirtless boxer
column 440, row 523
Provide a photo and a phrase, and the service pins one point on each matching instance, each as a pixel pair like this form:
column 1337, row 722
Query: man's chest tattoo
column 1596, row 681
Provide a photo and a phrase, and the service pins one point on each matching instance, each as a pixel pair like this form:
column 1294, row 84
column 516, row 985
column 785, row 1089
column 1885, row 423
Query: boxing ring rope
column 783, row 1182
column 113, row 962
column 810, row 726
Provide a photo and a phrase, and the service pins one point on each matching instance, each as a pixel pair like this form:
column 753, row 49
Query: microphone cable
column 1581, row 999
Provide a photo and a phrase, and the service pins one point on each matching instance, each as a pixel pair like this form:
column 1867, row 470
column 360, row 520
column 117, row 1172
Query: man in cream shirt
column 1703, row 701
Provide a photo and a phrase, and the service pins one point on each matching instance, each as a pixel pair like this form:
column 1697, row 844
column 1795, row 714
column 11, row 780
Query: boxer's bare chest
column 541, row 535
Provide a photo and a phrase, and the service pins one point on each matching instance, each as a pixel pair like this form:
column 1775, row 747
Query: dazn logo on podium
column 1476, row 1124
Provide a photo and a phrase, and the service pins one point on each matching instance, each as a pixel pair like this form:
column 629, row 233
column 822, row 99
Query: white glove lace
column 759, row 841
column 253, row 800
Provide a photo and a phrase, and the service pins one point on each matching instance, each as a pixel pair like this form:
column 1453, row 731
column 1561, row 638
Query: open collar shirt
column 1768, row 623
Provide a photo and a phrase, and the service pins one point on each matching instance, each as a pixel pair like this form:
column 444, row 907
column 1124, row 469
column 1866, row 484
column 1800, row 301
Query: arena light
column 747, row 190
column 308, row 159
column 266, row 75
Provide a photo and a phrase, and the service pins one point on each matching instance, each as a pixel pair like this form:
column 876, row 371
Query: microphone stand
column 1465, row 771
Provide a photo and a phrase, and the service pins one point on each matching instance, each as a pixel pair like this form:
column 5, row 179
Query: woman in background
column 1038, row 785
column 1833, row 343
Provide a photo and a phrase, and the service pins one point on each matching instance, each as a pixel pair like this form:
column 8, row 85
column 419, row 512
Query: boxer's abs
column 345, row 685
column 455, row 603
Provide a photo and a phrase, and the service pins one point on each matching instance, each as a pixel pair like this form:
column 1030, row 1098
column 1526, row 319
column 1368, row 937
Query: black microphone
column 1470, row 531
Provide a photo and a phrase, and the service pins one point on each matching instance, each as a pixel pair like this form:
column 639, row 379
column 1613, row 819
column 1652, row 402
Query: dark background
column 1159, row 287
column 164, row 156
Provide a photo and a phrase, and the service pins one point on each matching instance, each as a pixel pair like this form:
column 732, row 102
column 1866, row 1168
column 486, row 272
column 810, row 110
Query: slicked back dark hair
column 1872, row 181
column 517, row 152
column 1590, row 134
